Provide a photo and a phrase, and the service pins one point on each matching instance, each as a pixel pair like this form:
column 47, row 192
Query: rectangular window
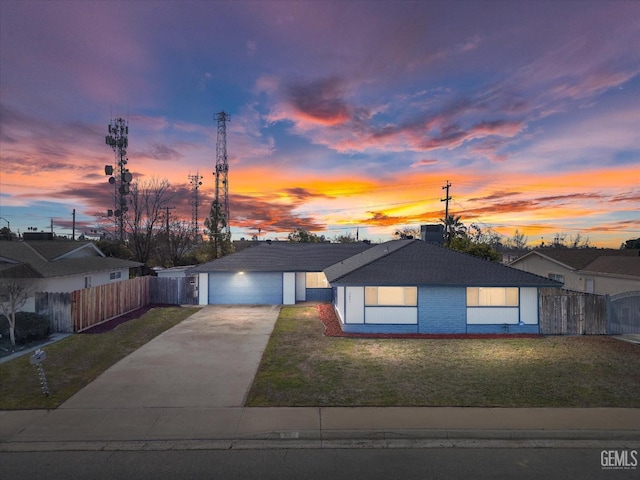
column 316, row 280
column 87, row 282
column 391, row 296
column 589, row 285
column 114, row 275
column 492, row 297
column 557, row 277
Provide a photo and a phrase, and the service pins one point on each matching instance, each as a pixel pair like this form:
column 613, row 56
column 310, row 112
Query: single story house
column 60, row 266
column 173, row 272
column 410, row 286
column 591, row 270
column 272, row 273
column 402, row 286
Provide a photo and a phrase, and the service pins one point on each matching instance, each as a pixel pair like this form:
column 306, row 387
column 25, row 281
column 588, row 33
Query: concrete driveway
column 208, row 360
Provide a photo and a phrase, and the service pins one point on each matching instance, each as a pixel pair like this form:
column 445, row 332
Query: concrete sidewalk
column 187, row 387
column 309, row 426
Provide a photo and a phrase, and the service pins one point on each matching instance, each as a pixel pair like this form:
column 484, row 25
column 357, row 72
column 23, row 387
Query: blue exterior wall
column 442, row 310
column 496, row 328
column 378, row 328
column 319, row 294
column 259, row 288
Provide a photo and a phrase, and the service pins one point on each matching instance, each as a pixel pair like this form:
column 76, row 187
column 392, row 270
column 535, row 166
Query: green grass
column 301, row 367
column 75, row 361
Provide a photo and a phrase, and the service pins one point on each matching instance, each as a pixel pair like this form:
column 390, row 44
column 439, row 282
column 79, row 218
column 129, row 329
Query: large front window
column 492, row 297
column 316, row 280
column 391, row 296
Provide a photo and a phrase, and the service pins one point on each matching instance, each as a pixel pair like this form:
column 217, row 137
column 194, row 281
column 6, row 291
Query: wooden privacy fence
column 96, row 305
column 57, row 308
column 174, row 291
column 565, row 312
column 79, row 310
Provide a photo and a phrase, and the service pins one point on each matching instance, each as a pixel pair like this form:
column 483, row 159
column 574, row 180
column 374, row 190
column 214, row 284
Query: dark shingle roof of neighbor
column 414, row 262
column 43, row 257
column 579, row 258
column 283, row 257
column 615, row 266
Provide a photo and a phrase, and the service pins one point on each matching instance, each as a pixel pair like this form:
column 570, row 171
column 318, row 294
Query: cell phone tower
column 196, row 183
column 119, row 177
column 221, row 200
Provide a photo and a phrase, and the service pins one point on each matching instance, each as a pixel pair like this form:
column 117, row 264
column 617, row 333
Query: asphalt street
column 315, row 464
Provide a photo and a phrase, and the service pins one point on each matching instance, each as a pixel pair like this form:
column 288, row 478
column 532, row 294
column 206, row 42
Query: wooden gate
column 565, row 312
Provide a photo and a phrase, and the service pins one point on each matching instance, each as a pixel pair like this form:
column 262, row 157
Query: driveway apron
column 208, row 360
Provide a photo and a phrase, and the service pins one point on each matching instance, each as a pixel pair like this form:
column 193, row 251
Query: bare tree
column 578, row 241
column 518, row 241
column 175, row 242
column 488, row 236
column 406, row 232
column 147, row 201
column 14, row 293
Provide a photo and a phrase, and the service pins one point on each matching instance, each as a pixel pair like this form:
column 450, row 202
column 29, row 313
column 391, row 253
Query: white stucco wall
column 339, row 303
column 492, row 315
column 288, row 288
column 301, row 286
column 354, row 305
column 203, row 289
column 529, row 305
column 394, row 315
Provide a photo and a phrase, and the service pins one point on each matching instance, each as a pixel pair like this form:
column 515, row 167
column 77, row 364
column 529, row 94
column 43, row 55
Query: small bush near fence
column 30, row 327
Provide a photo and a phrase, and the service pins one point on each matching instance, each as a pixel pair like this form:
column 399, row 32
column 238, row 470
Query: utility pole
column 73, row 231
column 447, row 227
column 168, row 208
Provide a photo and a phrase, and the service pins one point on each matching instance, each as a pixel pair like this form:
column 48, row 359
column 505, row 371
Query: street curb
column 184, row 445
column 354, row 439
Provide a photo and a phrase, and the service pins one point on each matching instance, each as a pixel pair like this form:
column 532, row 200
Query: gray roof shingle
column 579, row 258
column 283, row 257
column 48, row 258
column 413, row 262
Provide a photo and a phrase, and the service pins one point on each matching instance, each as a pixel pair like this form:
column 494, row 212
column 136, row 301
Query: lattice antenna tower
column 222, row 175
column 119, row 177
column 196, row 183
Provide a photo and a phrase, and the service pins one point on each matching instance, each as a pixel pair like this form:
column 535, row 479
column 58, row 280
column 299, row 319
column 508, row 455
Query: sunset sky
column 344, row 114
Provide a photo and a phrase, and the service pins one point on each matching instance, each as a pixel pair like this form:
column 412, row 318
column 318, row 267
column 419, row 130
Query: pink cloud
column 424, row 163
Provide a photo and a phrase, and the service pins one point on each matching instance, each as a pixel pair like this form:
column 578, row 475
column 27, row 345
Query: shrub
column 30, row 327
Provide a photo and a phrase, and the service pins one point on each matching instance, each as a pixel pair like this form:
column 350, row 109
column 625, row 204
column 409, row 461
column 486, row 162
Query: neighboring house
column 402, row 286
column 409, row 286
column 60, row 265
column 173, row 272
column 591, row 270
column 278, row 273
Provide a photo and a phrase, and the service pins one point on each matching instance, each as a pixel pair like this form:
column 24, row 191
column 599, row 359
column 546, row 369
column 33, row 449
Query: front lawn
column 75, row 361
column 302, row 367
